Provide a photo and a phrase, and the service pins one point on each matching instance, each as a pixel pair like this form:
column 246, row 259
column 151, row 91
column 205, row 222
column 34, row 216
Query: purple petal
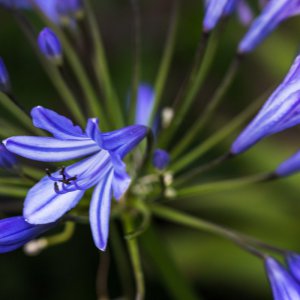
column 272, row 15
column 293, row 262
column 290, row 166
column 15, row 232
column 214, row 11
column 93, row 132
column 50, row 149
column 48, row 7
column 161, row 159
column 100, row 211
column 7, row 160
column 60, row 126
column 124, row 140
column 121, row 179
column 15, row 3
column 283, row 285
column 245, row 13
column 43, row 205
column 144, row 105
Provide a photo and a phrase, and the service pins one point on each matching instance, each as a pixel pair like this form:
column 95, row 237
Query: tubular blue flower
column 144, row 104
column 293, row 262
column 15, row 232
column 283, row 284
column 7, row 160
column 272, row 15
column 281, row 111
column 103, row 167
column 50, row 45
column 161, row 159
column 289, row 166
column 4, row 78
column 215, row 10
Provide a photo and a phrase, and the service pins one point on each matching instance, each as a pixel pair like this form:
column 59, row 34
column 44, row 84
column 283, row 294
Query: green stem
column 13, row 190
column 165, row 62
column 101, row 69
column 203, row 168
column 195, row 83
column 219, row 135
column 133, row 249
column 173, row 280
column 63, row 236
column 136, row 59
column 199, row 224
column 22, row 117
column 209, row 110
column 224, row 185
column 121, row 260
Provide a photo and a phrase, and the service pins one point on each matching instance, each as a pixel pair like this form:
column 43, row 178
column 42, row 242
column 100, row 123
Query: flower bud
column 4, row 78
column 50, row 46
column 161, row 159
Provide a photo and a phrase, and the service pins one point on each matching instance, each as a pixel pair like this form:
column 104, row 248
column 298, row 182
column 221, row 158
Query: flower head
column 281, row 111
column 272, row 15
column 103, row 167
column 283, row 284
column 15, row 232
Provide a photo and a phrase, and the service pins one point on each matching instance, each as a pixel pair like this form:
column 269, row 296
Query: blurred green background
column 215, row 267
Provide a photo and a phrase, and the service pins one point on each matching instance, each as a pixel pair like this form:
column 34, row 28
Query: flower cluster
column 147, row 152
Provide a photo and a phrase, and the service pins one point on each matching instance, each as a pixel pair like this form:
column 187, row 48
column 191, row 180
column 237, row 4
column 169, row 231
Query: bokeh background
column 215, row 268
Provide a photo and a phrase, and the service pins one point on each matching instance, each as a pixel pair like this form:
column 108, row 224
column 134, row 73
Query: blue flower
column 15, row 232
column 272, row 15
column 289, row 166
column 144, row 104
column 281, row 111
column 7, row 160
column 103, row 167
column 283, row 284
column 4, row 77
column 217, row 9
column 161, row 159
column 50, row 45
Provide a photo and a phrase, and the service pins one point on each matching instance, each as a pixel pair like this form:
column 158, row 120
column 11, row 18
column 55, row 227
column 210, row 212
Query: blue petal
column 15, row 3
column 100, row 211
column 244, row 12
column 293, row 262
column 281, row 111
column 93, row 132
column 289, row 166
column 214, row 11
column 52, row 205
column 7, row 160
column 50, row 149
column 284, row 286
column 144, row 105
column 161, row 159
column 124, row 140
column 60, row 126
column 273, row 13
column 121, row 179
column 43, row 205
column 15, row 232
column 48, row 7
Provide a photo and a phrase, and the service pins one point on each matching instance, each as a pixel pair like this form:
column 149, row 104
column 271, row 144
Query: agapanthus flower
column 15, row 232
column 281, row 111
column 289, row 166
column 284, row 285
column 272, row 15
column 216, row 9
column 7, row 159
column 59, row 192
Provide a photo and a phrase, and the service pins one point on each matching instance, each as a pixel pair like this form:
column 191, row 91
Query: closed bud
column 4, row 78
column 161, row 159
column 50, row 46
